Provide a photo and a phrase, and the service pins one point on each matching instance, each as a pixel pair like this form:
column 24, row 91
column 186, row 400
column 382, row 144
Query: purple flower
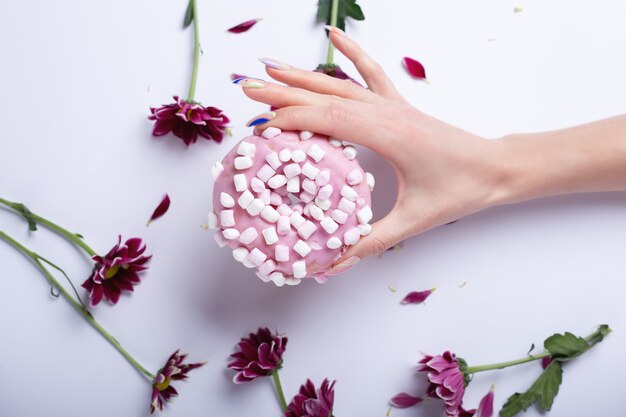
column 334, row 71
column 188, row 120
column 174, row 370
column 259, row 355
column 545, row 361
column 117, row 271
column 447, row 381
column 310, row 402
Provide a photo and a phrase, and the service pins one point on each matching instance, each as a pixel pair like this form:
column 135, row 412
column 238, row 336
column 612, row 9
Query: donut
column 290, row 203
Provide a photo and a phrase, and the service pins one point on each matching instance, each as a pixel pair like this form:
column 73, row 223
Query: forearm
column 586, row 158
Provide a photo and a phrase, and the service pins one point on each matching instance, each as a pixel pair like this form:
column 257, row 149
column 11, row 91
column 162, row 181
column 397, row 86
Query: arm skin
column 444, row 173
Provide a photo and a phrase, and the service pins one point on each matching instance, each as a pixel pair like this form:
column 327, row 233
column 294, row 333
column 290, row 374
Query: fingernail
column 272, row 63
column 250, row 82
column 334, row 29
column 261, row 118
column 344, row 266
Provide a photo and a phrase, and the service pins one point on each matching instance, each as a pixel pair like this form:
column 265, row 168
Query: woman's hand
column 444, row 173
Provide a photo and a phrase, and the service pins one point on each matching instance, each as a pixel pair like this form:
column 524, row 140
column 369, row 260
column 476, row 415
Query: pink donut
column 290, row 204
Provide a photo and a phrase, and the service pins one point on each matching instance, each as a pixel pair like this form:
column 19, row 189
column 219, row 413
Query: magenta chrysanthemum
column 447, row 382
column 188, row 120
column 334, row 71
column 117, row 271
column 310, row 402
column 259, row 355
column 174, row 370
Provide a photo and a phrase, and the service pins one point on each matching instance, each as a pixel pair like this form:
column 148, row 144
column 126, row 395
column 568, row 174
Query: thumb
column 385, row 233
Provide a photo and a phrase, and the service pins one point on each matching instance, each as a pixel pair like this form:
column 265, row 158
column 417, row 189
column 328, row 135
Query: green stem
column 592, row 339
column 73, row 237
column 279, row 390
column 334, row 11
column 196, row 53
column 36, row 259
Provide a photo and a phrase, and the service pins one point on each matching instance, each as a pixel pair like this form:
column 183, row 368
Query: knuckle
column 347, row 88
column 379, row 245
column 336, row 111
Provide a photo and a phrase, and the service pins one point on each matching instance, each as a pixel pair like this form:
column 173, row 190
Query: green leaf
column 188, row 14
column 565, row 345
column 345, row 9
column 28, row 215
column 543, row 391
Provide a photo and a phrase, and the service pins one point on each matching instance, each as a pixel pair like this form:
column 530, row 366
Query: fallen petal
column 416, row 297
column 161, row 209
column 404, row 400
column 414, row 68
column 245, row 26
column 485, row 407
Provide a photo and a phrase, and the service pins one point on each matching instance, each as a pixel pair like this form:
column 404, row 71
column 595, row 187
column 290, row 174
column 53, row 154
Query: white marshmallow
column 346, row 205
column 273, row 160
column 349, row 193
column 364, row 229
column 212, row 220
column 305, row 211
column 270, row 214
column 277, row 278
column 246, row 149
column 329, row 225
column 268, row 267
column 301, row 248
column 230, row 234
column 325, row 192
column 350, row 152
column 284, row 210
column 284, row 155
column 277, row 181
column 241, row 183
column 306, row 229
column 255, row 207
column 293, row 185
column 334, row 142
column 245, row 199
column 240, row 254
column 284, row 225
column 216, row 170
column 265, row 197
column 226, row 200
column 334, row 243
column 256, row 257
column 248, row 263
column 296, row 219
column 292, row 170
column 265, row 173
column 309, row 186
column 292, row 281
column 270, row 236
column 323, row 204
column 316, row 212
column 248, row 236
column 352, row 236
column 310, row 171
column 339, row 216
column 299, row 269
column 355, row 177
column 227, row 218
column 262, row 277
column 306, row 197
column 243, row 162
column 298, row 207
column 281, row 253
column 364, row 215
column 271, row 132
column 257, row 185
column 298, row 155
column 360, row 201
column 219, row 239
column 371, row 182
column 316, row 152
column 314, row 245
column 306, row 135
column 275, row 199
column 323, row 178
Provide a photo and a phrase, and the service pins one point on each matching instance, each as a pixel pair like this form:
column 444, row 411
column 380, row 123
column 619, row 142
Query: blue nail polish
column 258, row 121
column 238, row 80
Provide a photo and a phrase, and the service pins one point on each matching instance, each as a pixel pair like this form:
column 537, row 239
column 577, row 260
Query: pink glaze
column 320, row 258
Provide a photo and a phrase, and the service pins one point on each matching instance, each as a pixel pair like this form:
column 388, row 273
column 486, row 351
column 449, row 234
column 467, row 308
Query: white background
column 77, row 79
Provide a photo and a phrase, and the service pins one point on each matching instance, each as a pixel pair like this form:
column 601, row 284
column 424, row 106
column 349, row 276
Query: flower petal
column 161, row 209
column 245, row 26
column 404, row 400
column 485, row 407
column 416, row 297
column 414, row 68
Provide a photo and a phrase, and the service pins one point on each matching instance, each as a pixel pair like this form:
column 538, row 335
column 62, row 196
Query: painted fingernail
column 261, row 118
column 249, row 82
column 272, row 63
column 334, row 29
column 344, row 266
